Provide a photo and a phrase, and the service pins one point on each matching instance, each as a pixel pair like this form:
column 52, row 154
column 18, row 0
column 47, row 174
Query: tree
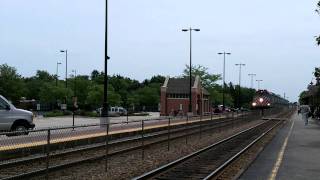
column 303, row 98
column 44, row 76
column 95, row 96
column 148, row 96
column 316, row 72
column 208, row 80
column 81, row 90
column 97, row 77
column 158, row 79
column 12, row 85
column 49, row 93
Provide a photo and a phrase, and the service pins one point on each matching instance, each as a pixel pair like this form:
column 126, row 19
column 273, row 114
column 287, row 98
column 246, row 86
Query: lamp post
column 104, row 121
column 259, row 80
column 239, row 98
column 104, row 113
column 75, row 106
column 58, row 63
column 190, row 66
column 224, row 78
column 75, row 82
column 66, row 51
column 252, row 75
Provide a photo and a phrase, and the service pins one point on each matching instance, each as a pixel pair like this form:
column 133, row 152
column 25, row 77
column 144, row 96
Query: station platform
column 294, row 153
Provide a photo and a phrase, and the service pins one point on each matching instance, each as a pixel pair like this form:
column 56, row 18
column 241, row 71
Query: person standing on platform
column 305, row 111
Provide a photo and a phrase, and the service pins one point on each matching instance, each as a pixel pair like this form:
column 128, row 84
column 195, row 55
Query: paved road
column 299, row 158
column 42, row 122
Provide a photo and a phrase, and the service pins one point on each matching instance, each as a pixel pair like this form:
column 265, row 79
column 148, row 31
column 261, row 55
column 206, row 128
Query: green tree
column 148, row 96
column 35, row 83
column 50, row 93
column 12, row 85
column 208, row 80
column 303, row 98
column 80, row 86
column 97, row 77
column 316, row 72
column 95, row 96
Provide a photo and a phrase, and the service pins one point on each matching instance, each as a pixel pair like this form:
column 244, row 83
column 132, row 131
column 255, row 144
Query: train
column 264, row 99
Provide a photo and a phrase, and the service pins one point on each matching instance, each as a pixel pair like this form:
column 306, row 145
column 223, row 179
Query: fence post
column 127, row 115
column 107, row 147
column 187, row 121
column 142, row 138
column 233, row 120
column 169, row 123
column 200, row 127
column 73, row 121
column 48, row 153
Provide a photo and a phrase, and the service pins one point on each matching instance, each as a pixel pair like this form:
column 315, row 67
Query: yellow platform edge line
column 73, row 138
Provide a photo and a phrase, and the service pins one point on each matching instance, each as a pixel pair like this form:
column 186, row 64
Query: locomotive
column 264, row 99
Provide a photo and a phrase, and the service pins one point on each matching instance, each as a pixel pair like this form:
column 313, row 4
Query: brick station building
column 175, row 97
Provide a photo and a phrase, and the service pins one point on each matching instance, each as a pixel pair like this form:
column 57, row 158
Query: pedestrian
column 305, row 112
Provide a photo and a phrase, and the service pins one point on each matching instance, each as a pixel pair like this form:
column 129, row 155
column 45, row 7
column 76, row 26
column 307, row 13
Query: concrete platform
column 294, row 153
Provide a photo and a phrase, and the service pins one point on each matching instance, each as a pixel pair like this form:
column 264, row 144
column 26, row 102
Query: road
column 64, row 135
column 52, row 122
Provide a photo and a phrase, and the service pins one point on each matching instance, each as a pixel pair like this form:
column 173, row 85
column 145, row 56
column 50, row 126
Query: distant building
column 175, row 97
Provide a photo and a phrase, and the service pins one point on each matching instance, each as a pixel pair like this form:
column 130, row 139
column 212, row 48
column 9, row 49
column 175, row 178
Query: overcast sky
column 275, row 39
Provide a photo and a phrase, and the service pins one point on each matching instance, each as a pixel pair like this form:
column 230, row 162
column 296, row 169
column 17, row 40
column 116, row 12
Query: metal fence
column 47, row 144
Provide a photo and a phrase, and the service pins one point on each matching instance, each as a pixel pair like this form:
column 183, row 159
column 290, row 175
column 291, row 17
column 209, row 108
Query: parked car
column 114, row 111
column 120, row 110
column 14, row 119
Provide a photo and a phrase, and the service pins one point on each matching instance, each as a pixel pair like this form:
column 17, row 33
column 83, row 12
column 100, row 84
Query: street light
column 259, row 80
column 74, row 97
column 75, row 82
column 239, row 98
column 190, row 66
column 58, row 63
column 66, row 51
column 104, row 112
column 252, row 75
column 224, row 78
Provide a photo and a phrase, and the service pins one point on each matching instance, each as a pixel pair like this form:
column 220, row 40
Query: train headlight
column 254, row 104
column 261, row 100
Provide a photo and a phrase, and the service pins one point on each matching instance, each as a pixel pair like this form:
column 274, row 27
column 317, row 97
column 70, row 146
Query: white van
column 14, row 119
column 118, row 110
column 114, row 111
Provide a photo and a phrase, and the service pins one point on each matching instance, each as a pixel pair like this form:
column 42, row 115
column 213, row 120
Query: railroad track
column 25, row 168
column 208, row 162
column 36, row 165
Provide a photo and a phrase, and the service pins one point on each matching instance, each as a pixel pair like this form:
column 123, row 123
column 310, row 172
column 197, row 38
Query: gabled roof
column 181, row 85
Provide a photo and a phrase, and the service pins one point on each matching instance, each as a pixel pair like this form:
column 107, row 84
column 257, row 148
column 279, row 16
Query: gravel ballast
column 131, row 164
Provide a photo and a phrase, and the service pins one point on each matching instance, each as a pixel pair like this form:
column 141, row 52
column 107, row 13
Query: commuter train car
column 264, row 99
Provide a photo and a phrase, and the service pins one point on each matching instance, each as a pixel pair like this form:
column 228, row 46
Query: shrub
column 56, row 113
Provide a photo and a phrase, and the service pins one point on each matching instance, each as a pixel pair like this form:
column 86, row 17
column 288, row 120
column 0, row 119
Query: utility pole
column 239, row 97
column 57, row 76
column 252, row 76
column 259, row 80
column 190, row 67
column 66, row 51
column 224, row 78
